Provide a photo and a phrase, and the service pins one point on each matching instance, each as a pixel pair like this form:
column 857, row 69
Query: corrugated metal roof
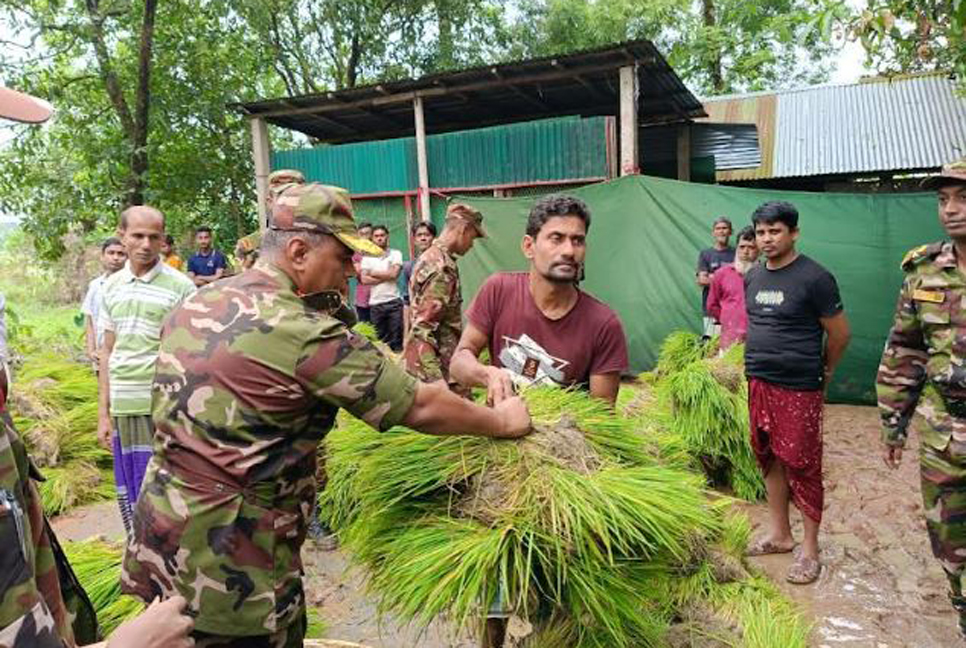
column 733, row 146
column 886, row 124
column 758, row 110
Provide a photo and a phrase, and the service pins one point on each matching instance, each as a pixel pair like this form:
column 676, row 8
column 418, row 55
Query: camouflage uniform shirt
column 924, row 362
column 32, row 611
column 250, row 378
column 435, row 314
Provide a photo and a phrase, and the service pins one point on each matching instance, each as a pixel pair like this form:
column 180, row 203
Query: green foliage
column 717, row 46
column 678, row 350
column 923, row 35
column 97, row 564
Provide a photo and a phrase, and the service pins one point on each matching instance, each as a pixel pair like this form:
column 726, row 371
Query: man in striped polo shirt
column 134, row 303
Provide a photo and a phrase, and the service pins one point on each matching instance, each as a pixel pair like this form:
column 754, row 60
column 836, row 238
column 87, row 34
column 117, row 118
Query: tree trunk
column 714, row 63
column 142, row 108
column 444, row 21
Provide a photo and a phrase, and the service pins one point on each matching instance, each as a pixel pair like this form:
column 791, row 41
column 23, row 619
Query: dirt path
column 881, row 588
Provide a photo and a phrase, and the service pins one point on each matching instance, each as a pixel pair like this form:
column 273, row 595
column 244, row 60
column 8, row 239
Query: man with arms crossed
column 792, row 303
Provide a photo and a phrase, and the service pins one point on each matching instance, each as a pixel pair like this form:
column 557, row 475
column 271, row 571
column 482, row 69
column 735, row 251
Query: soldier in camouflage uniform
column 251, row 374
column 246, row 250
column 435, row 301
column 33, row 612
column 924, row 369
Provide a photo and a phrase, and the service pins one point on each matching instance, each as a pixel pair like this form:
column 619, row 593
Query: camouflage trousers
column 291, row 637
column 944, row 502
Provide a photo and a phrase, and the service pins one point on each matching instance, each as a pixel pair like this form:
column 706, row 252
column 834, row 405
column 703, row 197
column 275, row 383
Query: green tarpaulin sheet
column 645, row 237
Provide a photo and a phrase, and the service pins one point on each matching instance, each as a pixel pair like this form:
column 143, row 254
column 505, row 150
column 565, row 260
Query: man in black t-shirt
column 709, row 260
column 793, row 304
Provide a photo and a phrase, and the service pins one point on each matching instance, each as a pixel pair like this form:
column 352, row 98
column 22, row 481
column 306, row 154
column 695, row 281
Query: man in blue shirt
column 207, row 264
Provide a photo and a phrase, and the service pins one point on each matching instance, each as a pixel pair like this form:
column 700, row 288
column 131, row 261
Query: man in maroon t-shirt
column 539, row 327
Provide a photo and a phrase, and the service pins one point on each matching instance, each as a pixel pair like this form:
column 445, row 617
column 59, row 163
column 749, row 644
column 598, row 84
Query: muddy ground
column 880, row 588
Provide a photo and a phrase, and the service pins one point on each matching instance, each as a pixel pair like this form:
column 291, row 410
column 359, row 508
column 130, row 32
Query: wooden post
column 421, row 162
column 261, row 151
column 684, row 152
column 629, row 135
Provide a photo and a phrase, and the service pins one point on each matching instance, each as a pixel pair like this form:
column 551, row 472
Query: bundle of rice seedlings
column 54, row 406
column 97, row 564
column 678, row 350
column 367, row 330
column 703, row 402
column 563, row 525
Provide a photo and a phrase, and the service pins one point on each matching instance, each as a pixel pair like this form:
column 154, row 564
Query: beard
column 743, row 266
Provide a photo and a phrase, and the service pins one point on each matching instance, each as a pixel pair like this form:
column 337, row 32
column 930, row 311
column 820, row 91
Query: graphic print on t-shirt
column 770, row 298
column 530, row 364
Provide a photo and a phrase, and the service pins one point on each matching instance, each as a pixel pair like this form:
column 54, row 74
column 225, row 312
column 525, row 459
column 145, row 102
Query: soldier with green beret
column 436, row 314
column 923, row 370
column 251, row 375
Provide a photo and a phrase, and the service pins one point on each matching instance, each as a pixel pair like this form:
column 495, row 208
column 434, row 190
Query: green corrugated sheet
column 366, row 167
column 551, row 149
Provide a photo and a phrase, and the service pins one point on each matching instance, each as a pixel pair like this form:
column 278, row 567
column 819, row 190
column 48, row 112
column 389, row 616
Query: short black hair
column 169, row 240
column 108, row 242
column 427, row 224
column 380, row 227
column 203, row 228
column 722, row 219
column 364, row 225
column 747, row 233
column 553, row 206
column 776, row 211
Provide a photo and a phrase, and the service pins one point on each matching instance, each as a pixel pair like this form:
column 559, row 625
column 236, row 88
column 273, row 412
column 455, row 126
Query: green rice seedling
column 563, row 523
column 367, row 330
column 678, row 350
column 765, row 617
column 54, row 404
column 97, row 565
column 316, row 624
column 706, row 404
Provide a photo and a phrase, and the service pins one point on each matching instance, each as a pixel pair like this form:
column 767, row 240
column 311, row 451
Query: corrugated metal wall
column 552, row 149
column 366, row 167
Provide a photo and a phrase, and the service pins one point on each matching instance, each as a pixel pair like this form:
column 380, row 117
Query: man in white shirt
column 385, row 302
column 113, row 256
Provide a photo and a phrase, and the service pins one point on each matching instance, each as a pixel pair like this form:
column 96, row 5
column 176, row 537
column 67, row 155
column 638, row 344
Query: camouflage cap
column 248, row 244
column 952, row 173
column 23, row 108
column 320, row 208
column 462, row 211
column 285, row 176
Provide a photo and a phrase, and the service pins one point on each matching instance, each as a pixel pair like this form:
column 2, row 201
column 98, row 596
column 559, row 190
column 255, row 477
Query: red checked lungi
column 787, row 424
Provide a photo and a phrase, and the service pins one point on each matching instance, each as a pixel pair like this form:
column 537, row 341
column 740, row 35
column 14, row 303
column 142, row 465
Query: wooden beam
column 262, row 154
column 421, row 161
column 684, row 152
column 404, row 97
column 628, row 108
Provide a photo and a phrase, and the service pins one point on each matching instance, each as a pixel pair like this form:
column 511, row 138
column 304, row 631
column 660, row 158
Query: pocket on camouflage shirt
column 14, row 549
